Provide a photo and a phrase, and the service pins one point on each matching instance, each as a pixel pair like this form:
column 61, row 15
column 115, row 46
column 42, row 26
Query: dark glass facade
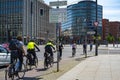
column 81, row 18
column 10, row 18
column 28, row 18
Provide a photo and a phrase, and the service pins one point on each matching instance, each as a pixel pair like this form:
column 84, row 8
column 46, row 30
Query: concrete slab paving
column 102, row 67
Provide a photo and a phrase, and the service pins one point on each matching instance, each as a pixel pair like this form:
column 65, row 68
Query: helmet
column 31, row 40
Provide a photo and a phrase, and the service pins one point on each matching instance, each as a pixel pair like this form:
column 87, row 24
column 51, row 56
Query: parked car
column 4, row 56
column 6, row 45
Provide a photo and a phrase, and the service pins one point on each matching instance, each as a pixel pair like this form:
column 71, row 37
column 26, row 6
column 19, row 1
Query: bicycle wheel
column 51, row 61
column 46, row 63
column 9, row 75
column 28, row 65
column 21, row 73
column 36, row 62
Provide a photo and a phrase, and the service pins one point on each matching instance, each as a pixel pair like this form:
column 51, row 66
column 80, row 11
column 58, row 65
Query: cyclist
column 17, row 51
column 22, row 51
column 31, row 50
column 48, row 48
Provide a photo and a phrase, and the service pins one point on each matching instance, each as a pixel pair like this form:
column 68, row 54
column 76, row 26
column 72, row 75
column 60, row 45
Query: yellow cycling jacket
column 31, row 45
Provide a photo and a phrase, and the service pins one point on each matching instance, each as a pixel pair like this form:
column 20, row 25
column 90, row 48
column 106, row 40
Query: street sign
column 96, row 24
column 58, row 3
column 91, row 32
column 57, row 15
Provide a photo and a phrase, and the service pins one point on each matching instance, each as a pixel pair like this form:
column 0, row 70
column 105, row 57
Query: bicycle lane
column 50, row 74
column 30, row 74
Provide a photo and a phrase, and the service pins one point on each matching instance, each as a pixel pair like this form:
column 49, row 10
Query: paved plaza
column 105, row 66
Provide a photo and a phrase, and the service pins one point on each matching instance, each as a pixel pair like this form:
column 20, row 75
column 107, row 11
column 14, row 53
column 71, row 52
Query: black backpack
column 14, row 44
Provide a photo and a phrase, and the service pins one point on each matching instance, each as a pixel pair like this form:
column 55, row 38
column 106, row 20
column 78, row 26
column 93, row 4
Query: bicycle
column 29, row 61
column 48, row 60
column 73, row 52
column 12, row 71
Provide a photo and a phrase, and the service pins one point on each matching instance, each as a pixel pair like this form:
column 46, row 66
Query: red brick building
column 115, row 29
column 112, row 28
column 105, row 28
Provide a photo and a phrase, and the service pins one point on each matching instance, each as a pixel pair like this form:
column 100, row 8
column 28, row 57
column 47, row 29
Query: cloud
column 112, row 15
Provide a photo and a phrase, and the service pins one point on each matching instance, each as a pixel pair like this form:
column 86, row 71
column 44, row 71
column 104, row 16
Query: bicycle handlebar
column 37, row 51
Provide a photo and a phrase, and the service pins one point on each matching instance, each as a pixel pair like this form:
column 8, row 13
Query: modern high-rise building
column 28, row 18
column 80, row 20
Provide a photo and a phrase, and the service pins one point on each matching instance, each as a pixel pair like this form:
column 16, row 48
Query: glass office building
column 80, row 20
column 28, row 18
column 10, row 18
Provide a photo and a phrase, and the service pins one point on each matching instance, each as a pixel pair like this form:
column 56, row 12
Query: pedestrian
column 84, row 47
column 60, row 49
column 74, row 46
column 91, row 45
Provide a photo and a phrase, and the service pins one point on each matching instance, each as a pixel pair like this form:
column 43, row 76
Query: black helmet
column 31, row 40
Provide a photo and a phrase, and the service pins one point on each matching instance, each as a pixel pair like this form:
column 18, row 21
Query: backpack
column 14, row 44
column 48, row 49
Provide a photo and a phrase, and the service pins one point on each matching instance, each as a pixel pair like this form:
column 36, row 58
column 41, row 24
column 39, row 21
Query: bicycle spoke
column 21, row 73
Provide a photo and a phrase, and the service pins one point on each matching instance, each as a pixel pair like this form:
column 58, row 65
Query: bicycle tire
column 21, row 73
column 45, row 64
column 36, row 62
column 52, row 61
column 28, row 65
column 7, row 75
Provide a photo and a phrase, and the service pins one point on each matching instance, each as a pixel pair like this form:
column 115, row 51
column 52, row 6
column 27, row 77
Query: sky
column 111, row 8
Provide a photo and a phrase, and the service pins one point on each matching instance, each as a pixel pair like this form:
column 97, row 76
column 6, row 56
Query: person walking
column 84, row 47
column 91, row 45
column 60, row 49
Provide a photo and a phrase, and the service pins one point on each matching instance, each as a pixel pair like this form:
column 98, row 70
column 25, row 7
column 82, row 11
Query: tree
column 110, row 38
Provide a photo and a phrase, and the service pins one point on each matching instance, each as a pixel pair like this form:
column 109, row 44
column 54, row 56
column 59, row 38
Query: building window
column 41, row 12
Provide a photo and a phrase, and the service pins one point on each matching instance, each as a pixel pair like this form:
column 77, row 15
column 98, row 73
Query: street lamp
column 96, row 45
column 47, row 35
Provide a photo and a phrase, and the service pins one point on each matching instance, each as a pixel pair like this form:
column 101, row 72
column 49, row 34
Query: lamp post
column 31, row 20
column 96, row 44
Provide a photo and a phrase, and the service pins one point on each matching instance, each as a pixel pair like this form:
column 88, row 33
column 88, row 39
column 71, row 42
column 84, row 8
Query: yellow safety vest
column 31, row 45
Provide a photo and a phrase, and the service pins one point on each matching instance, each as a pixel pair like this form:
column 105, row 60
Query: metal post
column 31, row 20
column 86, row 38
column 96, row 44
column 58, row 37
